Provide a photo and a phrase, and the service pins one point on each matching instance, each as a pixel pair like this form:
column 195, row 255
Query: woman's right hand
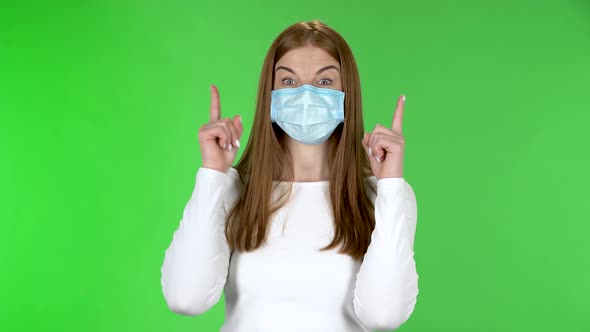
column 220, row 138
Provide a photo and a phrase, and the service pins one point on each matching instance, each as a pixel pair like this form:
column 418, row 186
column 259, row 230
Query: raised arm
column 386, row 287
column 196, row 263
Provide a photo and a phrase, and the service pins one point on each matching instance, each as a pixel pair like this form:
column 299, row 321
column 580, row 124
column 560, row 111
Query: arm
column 387, row 283
column 196, row 263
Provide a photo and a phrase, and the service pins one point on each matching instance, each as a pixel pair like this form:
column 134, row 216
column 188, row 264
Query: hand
column 385, row 146
column 220, row 138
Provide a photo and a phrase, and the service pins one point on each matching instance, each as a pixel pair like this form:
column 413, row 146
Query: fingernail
column 240, row 119
column 230, row 147
column 370, row 152
column 378, row 159
column 365, row 135
column 237, row 143
column 224, row 145
column 404, row 98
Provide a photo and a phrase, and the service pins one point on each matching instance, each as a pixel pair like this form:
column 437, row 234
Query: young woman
column 313, row 230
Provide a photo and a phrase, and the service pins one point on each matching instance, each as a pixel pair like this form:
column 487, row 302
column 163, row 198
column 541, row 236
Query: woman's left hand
column 385, row 146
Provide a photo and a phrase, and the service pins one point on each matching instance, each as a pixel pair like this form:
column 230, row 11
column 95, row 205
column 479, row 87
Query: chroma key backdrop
column 101, row 101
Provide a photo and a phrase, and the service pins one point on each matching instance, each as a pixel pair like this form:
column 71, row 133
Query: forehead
column 306, row 57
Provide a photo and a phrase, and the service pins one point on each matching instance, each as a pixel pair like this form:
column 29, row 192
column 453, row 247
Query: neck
column 310, row 162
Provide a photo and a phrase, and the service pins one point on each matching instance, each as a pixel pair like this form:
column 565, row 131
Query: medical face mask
column 308, row 114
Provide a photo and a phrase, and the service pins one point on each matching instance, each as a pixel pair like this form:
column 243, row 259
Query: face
column 307, row 65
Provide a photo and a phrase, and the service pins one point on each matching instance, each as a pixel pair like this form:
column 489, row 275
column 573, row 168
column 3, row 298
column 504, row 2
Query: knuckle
column 224, row 128
column 203, row 132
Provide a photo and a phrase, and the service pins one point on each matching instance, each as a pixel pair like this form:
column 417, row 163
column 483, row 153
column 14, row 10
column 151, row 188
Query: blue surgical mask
column 307, row 113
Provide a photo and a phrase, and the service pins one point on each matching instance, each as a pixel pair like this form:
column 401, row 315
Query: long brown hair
column 266, row 158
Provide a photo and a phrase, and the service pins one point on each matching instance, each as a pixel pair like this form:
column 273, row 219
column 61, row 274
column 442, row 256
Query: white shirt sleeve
column 386, row 287
column 196, row 263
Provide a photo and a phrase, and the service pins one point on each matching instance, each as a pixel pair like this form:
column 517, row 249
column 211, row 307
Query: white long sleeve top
column 289, row 285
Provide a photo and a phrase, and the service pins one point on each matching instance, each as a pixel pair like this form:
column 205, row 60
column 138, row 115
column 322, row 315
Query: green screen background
column 101, row 101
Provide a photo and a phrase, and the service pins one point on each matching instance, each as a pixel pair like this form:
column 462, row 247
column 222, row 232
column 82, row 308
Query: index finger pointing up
column 399, row 112
column 215, row 110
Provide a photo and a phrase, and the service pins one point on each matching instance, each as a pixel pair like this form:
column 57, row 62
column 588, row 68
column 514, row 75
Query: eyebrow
column 318, row 72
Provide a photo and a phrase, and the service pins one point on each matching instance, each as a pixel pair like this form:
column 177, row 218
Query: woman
column 313, row 230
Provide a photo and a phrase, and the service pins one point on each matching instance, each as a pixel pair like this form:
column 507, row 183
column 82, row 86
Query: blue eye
column 288, row 80
column 325, row 80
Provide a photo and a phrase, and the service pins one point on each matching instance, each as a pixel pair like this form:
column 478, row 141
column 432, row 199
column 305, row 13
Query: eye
column 288, row 81
column 327, row 80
